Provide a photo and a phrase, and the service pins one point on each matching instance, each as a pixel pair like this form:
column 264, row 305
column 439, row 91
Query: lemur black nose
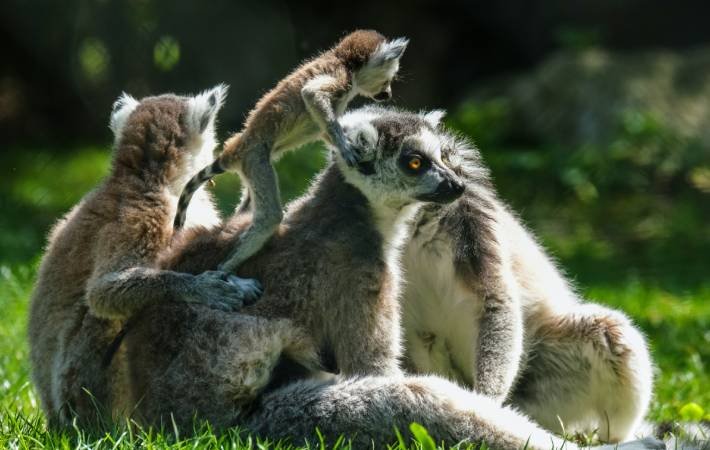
column 448, row 191
column 382, row 96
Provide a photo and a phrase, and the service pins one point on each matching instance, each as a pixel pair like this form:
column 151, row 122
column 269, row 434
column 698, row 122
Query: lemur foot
column 349, row 152
column 223, row 291
column 649, row 443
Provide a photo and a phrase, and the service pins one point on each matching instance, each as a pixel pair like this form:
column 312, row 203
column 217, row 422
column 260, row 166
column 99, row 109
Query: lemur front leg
column 500, row 340
column 366, row 338
column 320, row 96
column 118, row 294
column 259, row 176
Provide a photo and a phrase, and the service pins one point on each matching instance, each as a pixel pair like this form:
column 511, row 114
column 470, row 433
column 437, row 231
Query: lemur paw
column 648, row 443
column 250, row 288
column 350, row 153
column 223, row 291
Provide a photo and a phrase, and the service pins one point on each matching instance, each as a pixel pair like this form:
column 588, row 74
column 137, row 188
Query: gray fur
column 303, row 108
column 486, row 279
column 331, row 286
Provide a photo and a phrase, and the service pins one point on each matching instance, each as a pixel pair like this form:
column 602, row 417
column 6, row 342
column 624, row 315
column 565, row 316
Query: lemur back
column 101, row 266
column 302, row 108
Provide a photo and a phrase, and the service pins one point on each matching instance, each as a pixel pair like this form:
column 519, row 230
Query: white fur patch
column 430, row 144
column 122, row 108
column 202, row 108
column 201, row 211
column 434, row 117
column 381, row 67
column 201, row 122
column 440, row 316
column 359, row 117
column 389, row 51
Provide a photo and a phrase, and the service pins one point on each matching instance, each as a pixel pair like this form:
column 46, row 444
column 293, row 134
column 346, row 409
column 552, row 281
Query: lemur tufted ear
column 394, row 49
column 203, row 108
column 122, row 108
column 433, row 118
column 363, row 136
column 389, row 51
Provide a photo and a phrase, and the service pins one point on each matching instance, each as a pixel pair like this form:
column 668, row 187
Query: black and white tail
column 192, row 186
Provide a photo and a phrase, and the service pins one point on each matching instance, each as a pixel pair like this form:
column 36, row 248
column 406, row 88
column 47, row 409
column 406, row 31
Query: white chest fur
column 440, row 313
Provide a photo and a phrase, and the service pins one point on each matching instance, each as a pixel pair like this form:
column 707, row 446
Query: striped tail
column 192, row 186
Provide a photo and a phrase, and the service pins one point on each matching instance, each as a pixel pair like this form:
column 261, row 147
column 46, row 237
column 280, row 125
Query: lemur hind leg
column 259, row 176
column 368, row 409
column 203, row 363
column 588, row 370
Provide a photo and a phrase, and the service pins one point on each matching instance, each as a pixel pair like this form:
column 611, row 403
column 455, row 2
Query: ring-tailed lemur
column 302, row 108
column 344, row 296
column 101, row 263
column 333, row 264
column 484, row 306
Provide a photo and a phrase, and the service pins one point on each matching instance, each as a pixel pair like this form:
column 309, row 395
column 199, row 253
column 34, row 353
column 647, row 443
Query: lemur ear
column 122, row 108
column 364, row 137
column 203, row 108
column 394, row 49
column 434, row 117
column 389, row 51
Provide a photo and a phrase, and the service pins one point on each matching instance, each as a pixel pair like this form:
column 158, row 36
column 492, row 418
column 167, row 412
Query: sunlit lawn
column 42, row 185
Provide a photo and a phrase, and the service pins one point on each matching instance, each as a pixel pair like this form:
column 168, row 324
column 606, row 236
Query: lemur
column 332, row 266
column 344, row 296
column 484, row 306
column 101, row 265
column 302, row 108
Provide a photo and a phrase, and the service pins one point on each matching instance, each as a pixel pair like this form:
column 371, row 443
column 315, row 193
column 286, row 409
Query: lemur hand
column 348, row 151
column 221, row 290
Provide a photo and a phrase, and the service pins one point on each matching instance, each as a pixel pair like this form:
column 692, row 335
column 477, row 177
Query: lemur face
column 374, row 79
column 401, row 157
column 169, row 134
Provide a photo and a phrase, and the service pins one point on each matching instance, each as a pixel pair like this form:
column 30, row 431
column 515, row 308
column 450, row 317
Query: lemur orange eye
column 415, row 163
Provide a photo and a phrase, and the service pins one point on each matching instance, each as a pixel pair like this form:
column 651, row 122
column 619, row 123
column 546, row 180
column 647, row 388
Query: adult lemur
column 484, row 306
column 101, row 263
column 331, row 270
column 302, row 108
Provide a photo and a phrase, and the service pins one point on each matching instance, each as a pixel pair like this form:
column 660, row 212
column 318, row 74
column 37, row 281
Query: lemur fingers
column 223, row 291
column 349, row 152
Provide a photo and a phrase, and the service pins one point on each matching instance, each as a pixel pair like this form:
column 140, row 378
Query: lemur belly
column 301, row 132
column 440, row 316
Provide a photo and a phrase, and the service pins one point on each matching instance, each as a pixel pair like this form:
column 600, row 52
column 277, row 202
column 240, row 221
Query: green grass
column 42, row 185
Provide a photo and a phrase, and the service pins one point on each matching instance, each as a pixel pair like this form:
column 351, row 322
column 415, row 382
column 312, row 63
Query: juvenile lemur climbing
column 302, row 108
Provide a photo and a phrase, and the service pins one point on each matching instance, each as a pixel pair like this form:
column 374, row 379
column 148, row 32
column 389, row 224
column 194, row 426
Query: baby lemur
column 331, row 270
column 101, row 262
column 303, row 107
column 484, row 306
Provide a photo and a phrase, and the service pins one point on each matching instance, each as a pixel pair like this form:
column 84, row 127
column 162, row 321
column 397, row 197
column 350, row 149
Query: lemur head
column 401, row 157
column 373, row 60
column 167, row 138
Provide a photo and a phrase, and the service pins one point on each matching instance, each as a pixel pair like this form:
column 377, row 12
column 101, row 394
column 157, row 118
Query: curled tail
column 192, row 186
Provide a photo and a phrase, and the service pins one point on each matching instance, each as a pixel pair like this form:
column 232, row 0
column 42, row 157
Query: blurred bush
column 612, row 165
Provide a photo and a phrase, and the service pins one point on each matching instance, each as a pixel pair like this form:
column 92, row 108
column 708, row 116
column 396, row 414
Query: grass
column 42, row 185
